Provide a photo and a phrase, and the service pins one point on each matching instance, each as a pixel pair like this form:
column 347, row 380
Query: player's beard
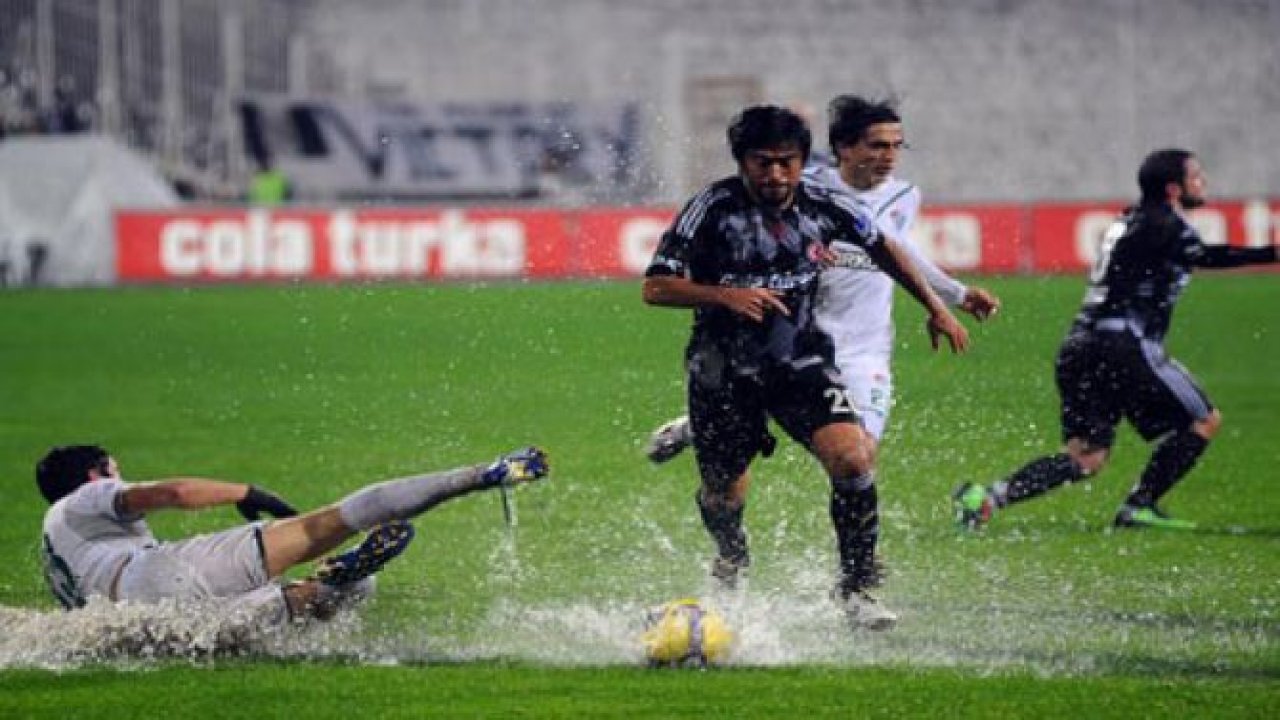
column 775, row 196
column 1191, row 202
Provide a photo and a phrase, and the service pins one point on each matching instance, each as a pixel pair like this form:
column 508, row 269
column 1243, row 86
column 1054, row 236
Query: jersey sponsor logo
column 851, row 257
column 776, row 281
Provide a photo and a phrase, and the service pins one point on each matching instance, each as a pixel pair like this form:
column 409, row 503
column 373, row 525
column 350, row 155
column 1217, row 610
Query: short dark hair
column 1160, row 168
column 65, row 468
column 849, row 116
column 768, row 126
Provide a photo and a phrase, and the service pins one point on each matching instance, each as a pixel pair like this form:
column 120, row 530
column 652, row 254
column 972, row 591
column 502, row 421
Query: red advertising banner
column 216, row 245
column 972, row 239
column 618, row 243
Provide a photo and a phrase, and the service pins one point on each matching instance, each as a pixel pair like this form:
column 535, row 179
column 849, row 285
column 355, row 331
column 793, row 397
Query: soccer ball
column 685, row 633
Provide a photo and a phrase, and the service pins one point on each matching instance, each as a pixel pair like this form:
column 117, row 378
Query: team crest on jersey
column 814, row 252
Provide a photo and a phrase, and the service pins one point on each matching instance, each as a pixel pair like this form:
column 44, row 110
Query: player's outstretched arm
column 1228, row 256
column 977, row 301
column 197, row 493
column 897, row 264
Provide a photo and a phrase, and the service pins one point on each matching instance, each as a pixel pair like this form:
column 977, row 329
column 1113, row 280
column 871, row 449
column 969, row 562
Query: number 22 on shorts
column 840, row 402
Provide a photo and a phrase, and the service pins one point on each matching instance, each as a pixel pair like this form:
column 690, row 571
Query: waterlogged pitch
column 315, row 391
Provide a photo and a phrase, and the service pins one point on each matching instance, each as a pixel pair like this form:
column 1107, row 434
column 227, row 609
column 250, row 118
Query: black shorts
column 729, row 414
column 1104, row 377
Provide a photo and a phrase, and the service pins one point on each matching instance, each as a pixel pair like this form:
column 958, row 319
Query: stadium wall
column 57, row 199
column 1005, row 100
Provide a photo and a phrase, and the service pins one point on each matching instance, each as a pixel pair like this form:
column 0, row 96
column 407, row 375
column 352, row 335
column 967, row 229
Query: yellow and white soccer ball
column 686, row 633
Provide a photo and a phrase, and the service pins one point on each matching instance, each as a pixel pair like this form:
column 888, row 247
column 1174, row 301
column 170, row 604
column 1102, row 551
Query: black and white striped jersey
column 724, row 237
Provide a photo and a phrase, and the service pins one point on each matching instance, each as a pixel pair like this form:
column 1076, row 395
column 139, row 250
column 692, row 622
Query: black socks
column 1172, row 459
column 856, row 516
column 724, row 523
column 1036, row 478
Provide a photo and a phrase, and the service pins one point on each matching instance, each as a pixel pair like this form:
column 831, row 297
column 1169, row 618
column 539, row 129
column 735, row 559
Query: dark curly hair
column 768, row 126
column 849, row 116
column 1160, row 168
column 65, row 468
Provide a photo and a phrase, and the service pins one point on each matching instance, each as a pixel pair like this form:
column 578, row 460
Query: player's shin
column 856, row 517
column 407, row 497
column 1173, row 458
column 1036, row 478
column 722, row 517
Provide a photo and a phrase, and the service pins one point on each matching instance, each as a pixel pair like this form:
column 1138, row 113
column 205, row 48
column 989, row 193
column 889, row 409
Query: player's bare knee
column 1090, row 458
column 713, row 497
column 849, row 462
column 848, row 459
column 844, row 449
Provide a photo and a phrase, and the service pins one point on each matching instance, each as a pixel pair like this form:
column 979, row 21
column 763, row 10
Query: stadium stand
column 1026, row 119
column 1010, row 101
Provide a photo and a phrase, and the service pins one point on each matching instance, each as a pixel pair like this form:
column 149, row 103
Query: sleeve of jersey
column 100, row 497
column 671, row 258
column 857, row 225
column 1226, row 256
column 951, row 291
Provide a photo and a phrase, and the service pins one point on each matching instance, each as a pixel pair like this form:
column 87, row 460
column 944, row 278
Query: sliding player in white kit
column 855, row 298
column 96, row 541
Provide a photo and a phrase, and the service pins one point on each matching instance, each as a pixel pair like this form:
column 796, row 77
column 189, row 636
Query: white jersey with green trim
column 855, row 298
column 86, row 541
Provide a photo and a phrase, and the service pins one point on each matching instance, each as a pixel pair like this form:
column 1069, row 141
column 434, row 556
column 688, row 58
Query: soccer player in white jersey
column 855, row 304
column 96, row 541
column 855, row 301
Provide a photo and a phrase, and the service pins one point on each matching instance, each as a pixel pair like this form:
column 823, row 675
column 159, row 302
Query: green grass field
column 313, row 391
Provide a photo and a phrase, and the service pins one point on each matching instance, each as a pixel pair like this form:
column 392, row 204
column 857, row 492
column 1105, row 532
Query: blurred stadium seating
column 1007, row 100
column 161, row 75
column 1026, row 120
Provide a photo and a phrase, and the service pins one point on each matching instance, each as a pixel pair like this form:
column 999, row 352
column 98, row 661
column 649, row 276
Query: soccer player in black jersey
column 1113, row 365
column 745, row 253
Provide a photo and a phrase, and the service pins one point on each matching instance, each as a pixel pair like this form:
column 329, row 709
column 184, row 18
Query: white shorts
column 870, row 386
column 217, row 565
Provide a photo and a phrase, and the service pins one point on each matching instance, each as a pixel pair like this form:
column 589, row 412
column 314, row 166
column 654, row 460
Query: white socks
column 407, row 497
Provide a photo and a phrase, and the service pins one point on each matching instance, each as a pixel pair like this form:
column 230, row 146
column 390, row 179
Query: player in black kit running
column 745, row 253
column 1113, row 365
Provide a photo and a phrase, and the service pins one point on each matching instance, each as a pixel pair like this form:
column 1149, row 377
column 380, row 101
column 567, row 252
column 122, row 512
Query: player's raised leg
column 307, row 537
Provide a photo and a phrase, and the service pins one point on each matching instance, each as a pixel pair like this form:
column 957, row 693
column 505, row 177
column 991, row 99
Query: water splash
column 128, row 634
column 790, row 621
